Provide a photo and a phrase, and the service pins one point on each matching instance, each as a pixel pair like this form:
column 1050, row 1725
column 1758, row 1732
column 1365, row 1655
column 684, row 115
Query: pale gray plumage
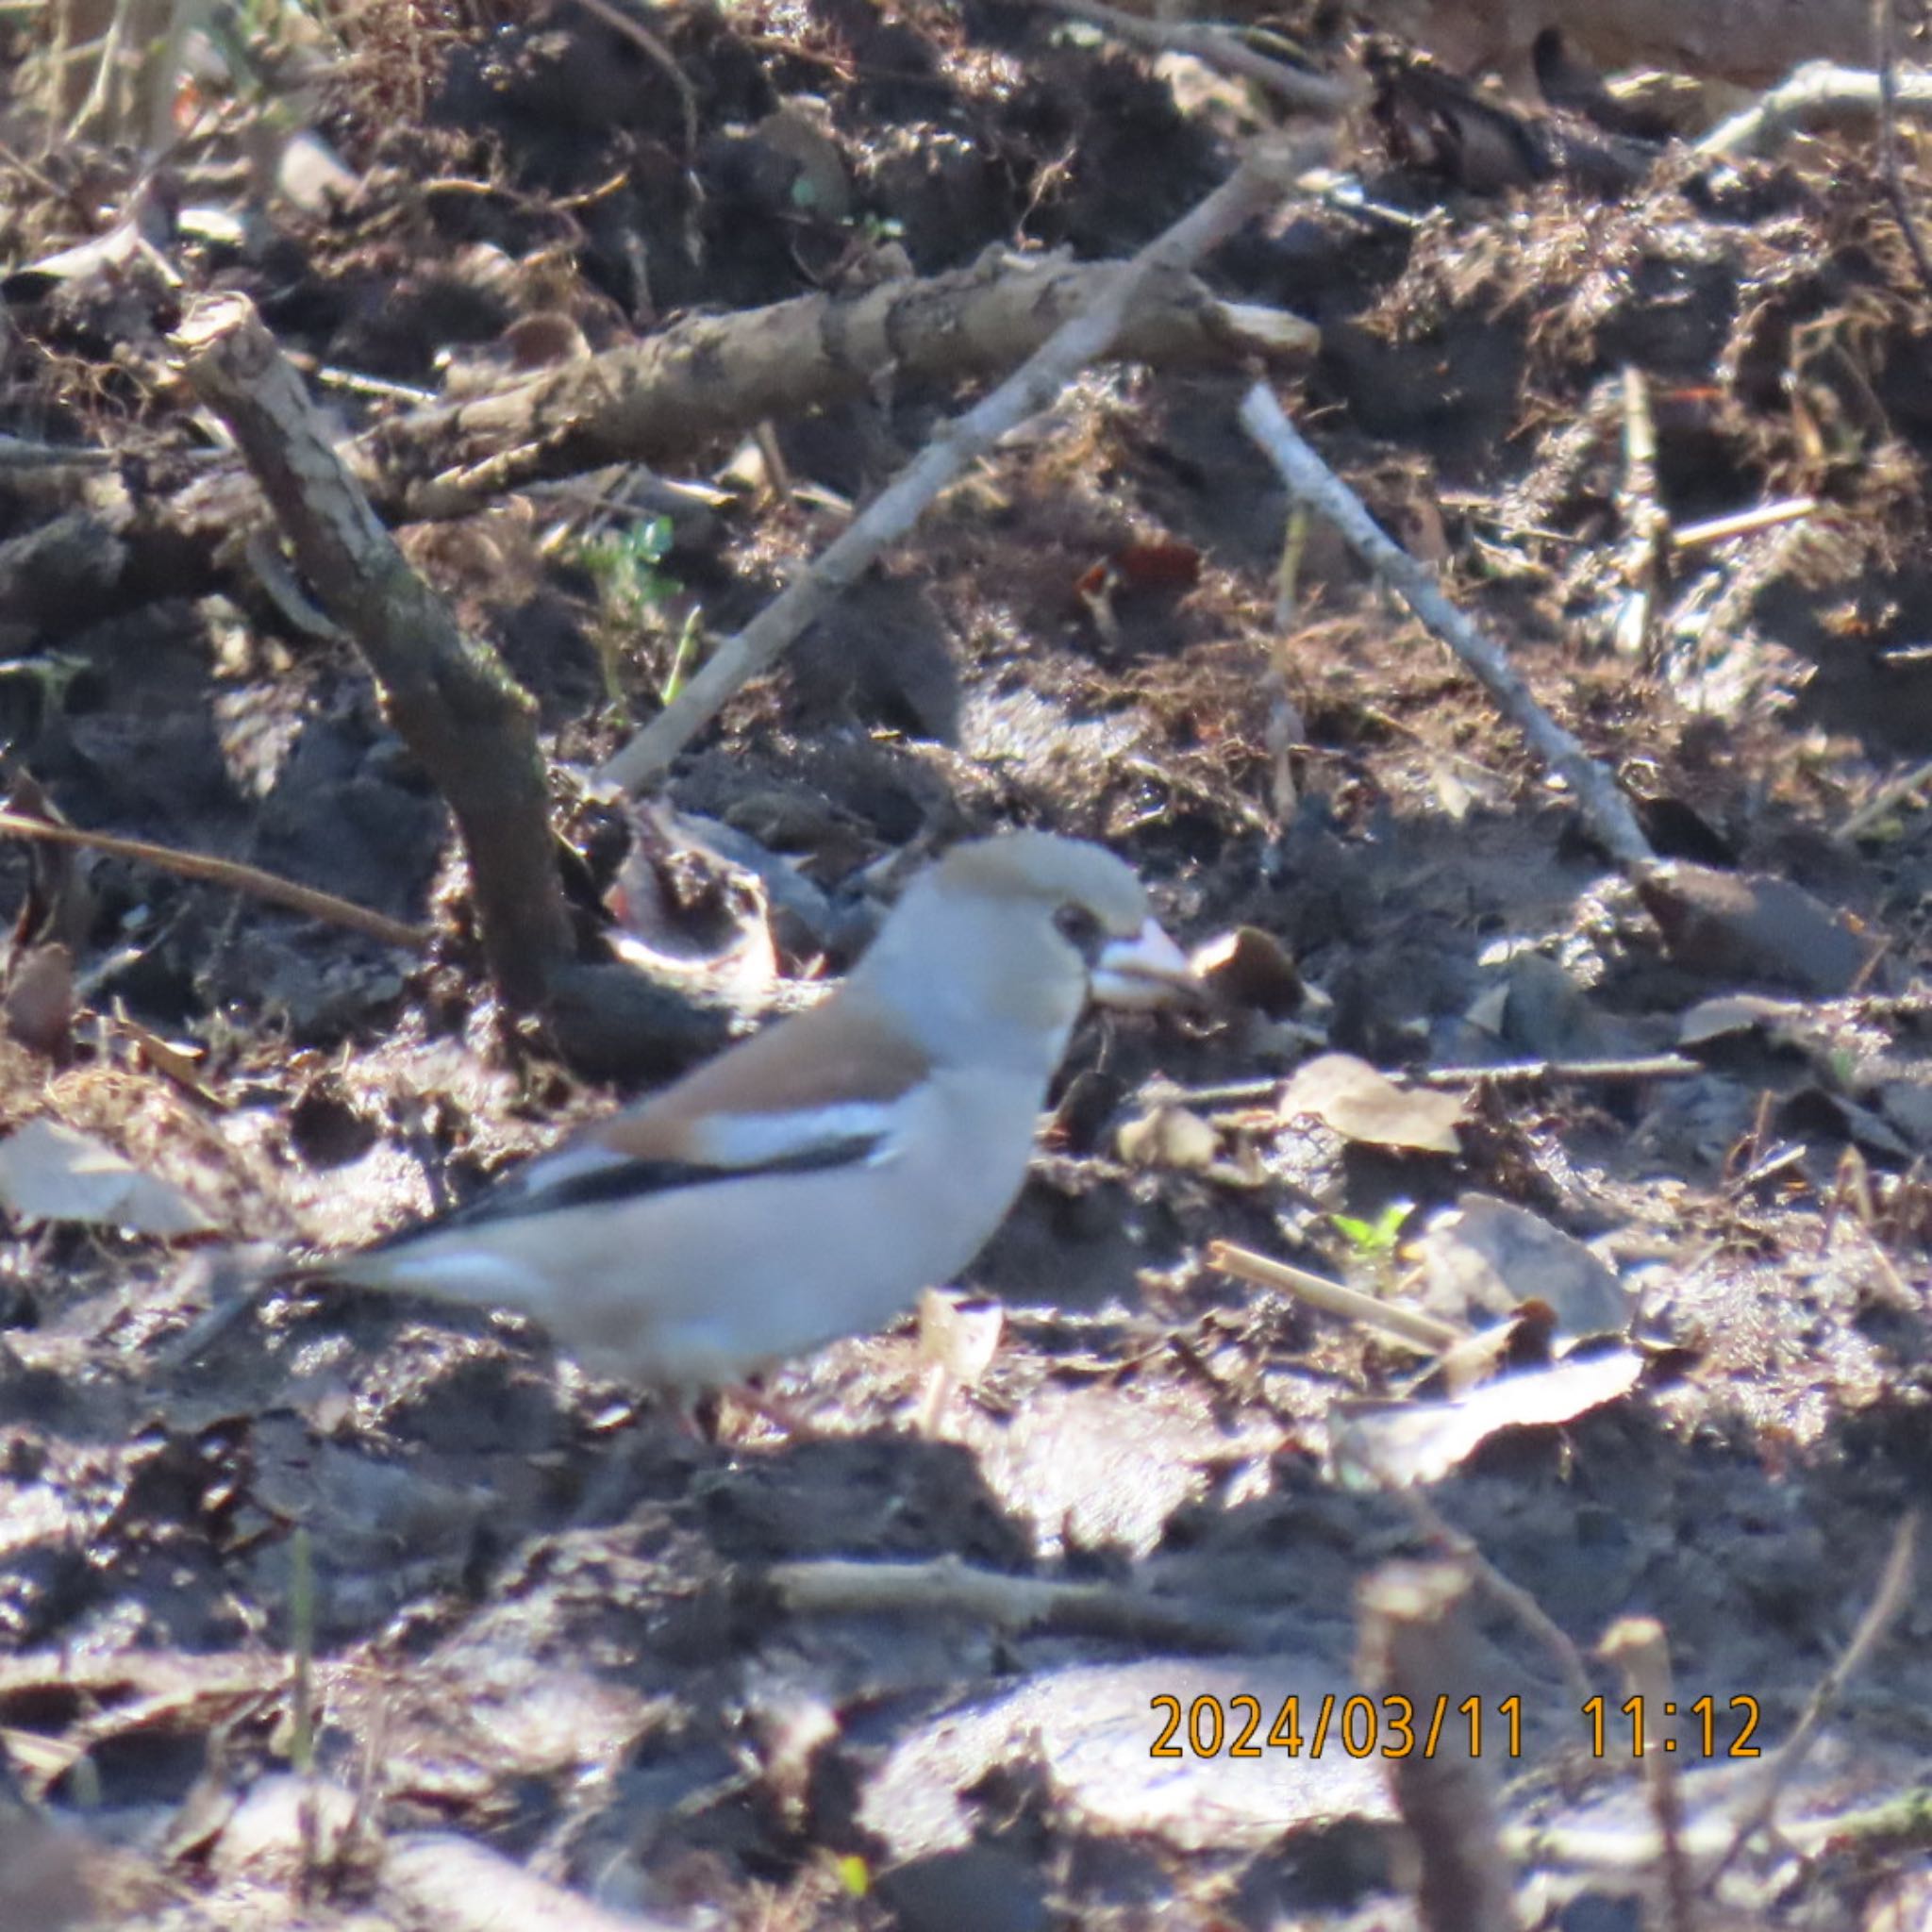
column 811, row 1181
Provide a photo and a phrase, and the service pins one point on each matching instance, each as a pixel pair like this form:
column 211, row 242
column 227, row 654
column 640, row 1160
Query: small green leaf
column 1372, row 1239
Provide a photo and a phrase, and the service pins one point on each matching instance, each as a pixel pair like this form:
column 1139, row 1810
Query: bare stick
column 1429, row 1332
column 1885, row 53
column 1308, row 93
column 1645, row 519
column 947, row 1587
column 712, row 376
column 1818, row 95
column 1460, row 1547
column 1417, row 1645
column 225, row 872
column 1641, row 1651
column 18, row 453
column 1267, row 172
column 1310, row 480
column 449, row 697
column 1894, row 1592
column 1658, row 1066
column 1743, row 522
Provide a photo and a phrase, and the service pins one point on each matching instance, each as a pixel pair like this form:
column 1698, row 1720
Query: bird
column 809, row 1182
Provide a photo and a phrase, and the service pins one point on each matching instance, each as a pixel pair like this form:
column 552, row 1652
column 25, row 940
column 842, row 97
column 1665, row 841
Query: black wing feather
column 624, row 1180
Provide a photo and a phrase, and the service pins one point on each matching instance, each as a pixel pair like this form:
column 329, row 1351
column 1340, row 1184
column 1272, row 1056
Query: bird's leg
column 959, row 1334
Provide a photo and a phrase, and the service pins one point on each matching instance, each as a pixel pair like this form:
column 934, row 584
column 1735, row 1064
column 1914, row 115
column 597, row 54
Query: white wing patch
column 763, row 1140
column 565, row 1164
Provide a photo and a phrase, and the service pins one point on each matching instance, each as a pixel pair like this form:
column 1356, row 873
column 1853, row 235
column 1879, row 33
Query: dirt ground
column 375, row 1615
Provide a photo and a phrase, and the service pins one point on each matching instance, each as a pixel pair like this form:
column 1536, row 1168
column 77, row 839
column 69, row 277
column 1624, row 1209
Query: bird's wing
column 827, row 1088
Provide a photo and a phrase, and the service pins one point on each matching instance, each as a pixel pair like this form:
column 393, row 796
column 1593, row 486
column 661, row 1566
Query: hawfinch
column 811, row 1181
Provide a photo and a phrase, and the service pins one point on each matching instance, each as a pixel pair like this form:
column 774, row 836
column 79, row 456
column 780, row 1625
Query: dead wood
column 1417, row 1644
column 1750, row 42
column 448, row 696
column 1268, row 168
column 716, row 375
column 659, row 401
column 1309, row 480
column 1816, row 97
column 1312, row 93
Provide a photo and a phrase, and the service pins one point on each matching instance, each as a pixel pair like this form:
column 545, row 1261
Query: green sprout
column 1374, row 1241
column 635, row 601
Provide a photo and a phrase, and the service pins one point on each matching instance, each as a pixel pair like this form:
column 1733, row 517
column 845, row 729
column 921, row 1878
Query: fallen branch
column 1817, row 95
column 654, row 403
column 231, row 873
column 1089, row 333
column 1308, row 94
column 449, row 697
column 1311, row 481
column 945, row 1586
column 718, row 375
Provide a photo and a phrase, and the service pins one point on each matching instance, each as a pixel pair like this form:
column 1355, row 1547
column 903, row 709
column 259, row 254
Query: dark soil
column 545, row 1617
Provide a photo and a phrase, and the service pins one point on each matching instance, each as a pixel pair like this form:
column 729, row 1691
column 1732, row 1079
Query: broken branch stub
column 448, row 695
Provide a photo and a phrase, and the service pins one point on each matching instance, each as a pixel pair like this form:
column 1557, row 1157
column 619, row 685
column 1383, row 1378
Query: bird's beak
column 1146, row 971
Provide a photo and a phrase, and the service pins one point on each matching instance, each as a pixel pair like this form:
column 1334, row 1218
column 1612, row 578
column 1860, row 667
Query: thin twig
column 18, row 453
column 225, row 872
column 1309, row 94
column 1501, row 1590
column 1885, row 53
column 1428, row 1332
column 1646, row 523
column 1743, row 522
column 1894, row 1592
column 945, row 1586
column 1308, row 479
column 1271, row 166
column 1658, row 1066
column 1893, row 792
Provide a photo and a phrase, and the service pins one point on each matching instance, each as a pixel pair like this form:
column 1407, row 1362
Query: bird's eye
column 1080, row 929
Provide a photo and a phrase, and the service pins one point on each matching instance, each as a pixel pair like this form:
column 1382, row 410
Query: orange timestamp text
column 1396, row 1727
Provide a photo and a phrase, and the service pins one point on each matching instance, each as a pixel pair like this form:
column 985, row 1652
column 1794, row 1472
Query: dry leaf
column 1411, row 1442
column 1491, row 1256
column 1730, row 1014
column 1749, row 925
column 49, row 1172
column 1350, row 1096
